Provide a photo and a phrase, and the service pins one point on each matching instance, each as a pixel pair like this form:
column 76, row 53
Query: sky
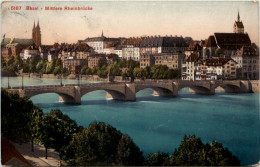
column 193, row 19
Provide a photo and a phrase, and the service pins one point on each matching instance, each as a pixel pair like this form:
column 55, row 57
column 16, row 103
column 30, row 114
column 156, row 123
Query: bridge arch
column 63, row 97
column 110, row 93
column 198, row 89
column 228, row 88
column 161, row 90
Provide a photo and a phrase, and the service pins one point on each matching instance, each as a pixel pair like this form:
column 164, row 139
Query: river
column 159, row 124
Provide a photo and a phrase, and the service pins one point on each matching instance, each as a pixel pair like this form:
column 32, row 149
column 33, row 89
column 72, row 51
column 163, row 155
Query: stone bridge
column 72, row 93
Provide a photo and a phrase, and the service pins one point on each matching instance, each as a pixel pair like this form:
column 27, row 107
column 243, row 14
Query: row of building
column 197, row 60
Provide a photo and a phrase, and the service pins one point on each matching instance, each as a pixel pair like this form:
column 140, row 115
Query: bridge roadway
column 72, row 93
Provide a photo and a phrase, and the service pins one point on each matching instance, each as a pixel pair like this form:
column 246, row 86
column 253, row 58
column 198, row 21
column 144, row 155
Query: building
column 146, row 60
column 36, row 34
column 157, row 44
column 228, row 42
column 221, row 68
column 171, row 60
column 248, row 62
column 93, row 60
column 11, row 49
column 74, row 65
column 192, row 67
column 30, row 52
column 102, row 44
column 238, row 25
column 194, row 47
column 82, row 51
column 44, row 50
column 14, row 46
column 131, row 48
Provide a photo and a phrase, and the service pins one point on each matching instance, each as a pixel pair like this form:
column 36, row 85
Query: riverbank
column 73, row 77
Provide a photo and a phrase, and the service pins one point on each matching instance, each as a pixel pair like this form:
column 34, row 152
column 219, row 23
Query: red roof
column 194, row 57
column 219, row 61
column 8, row 151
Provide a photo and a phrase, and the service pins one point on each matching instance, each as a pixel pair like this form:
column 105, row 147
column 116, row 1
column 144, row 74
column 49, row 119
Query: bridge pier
column 129, row 94
column 76, row 99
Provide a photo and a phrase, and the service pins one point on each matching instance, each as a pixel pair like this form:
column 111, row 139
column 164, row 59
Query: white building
column 192, row 66
column 131, row 49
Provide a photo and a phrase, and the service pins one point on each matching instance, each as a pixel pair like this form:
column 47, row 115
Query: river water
column 159, row 124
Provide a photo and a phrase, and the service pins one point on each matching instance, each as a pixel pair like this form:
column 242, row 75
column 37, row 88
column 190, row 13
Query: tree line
column 34, row 65
column 124, row 68
column 98, row 144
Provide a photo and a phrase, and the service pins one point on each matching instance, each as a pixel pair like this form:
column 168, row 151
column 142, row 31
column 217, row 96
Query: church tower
column 36, row 34
column 238, row 25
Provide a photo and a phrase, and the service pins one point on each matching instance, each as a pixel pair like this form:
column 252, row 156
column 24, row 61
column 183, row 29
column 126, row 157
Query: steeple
column 38, row 23
column 238, row 17
column 102, row 34
column 238, row 25
column 36, row 34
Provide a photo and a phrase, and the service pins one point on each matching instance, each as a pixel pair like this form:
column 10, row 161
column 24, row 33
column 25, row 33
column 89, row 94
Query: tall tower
column 238, row 25
column 36, row 34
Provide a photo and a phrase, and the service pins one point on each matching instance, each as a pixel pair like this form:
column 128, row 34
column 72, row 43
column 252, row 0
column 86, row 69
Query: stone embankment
column 73, row 76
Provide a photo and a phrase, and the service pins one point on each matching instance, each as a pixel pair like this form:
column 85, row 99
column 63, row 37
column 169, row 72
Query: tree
column 219, row 156
column 190, row 152
column 158, row 159
column 101, row 144
column 56, row 130
column 3, row 62
column 102, row 62
column 34, row 125
column 193, row 152
column 16, row 116
column 137, row 72
column 128, row 153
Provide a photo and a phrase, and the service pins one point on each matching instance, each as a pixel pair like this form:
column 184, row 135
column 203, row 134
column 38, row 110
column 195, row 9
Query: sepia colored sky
column 126, row 19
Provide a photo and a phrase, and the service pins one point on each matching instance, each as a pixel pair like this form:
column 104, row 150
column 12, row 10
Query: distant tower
column 238, row 25
column 36, row 34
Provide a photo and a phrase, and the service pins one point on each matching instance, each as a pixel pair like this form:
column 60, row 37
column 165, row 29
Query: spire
column 34, row 24
column 102, row 34
column 38, row 23
column 238, row 17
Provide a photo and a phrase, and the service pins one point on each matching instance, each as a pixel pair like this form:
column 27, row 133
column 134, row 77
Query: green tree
column 16, row 116
column 102, row 62
column 114, row 69
column 50, row 67
column 219, row 156
column 11, row 65
column 56, row 130
column 192, row 152
column 3, row 62
column 128, row 153
column 158, row 159
column 100, row 144
column 137, row 72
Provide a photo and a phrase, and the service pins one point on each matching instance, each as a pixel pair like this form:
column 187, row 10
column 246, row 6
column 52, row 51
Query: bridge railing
column 65, row 85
